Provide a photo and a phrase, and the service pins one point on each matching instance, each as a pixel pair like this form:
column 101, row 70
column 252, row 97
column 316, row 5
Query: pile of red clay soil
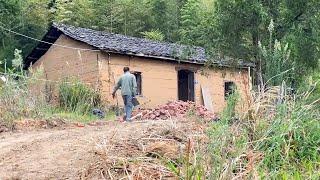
column 179, row 109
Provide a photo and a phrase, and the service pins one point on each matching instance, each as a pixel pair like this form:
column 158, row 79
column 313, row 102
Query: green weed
column 191, row 165
column 75, row 96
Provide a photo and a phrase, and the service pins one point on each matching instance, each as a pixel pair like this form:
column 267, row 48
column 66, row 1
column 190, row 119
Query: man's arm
column 118, row 85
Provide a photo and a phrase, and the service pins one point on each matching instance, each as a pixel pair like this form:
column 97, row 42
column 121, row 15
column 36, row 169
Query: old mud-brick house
column 164, row 71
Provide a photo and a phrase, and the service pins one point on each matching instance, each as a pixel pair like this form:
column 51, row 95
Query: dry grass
column 151, row 153
column 18, row 100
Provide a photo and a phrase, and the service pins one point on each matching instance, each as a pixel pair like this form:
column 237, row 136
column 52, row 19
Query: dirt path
column 57, row 154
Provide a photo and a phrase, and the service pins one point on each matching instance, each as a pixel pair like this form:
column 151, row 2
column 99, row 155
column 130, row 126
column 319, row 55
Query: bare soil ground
column 91, row 152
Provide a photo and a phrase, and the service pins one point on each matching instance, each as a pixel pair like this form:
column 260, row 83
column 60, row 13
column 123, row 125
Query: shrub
column 75, row 96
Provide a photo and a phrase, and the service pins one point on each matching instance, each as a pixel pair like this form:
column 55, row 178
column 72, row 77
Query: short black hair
column 126, row 69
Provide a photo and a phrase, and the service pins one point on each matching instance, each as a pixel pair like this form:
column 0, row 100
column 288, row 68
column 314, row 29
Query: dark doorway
column 186, row 85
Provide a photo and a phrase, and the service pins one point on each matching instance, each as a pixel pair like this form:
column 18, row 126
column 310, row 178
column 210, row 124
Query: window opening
column 139, row 82
column 229, row 89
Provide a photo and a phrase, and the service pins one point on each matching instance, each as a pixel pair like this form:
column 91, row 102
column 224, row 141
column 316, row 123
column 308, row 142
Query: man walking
column 128, row 85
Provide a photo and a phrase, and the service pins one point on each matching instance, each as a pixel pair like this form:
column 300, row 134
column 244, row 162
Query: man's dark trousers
column 128, row 106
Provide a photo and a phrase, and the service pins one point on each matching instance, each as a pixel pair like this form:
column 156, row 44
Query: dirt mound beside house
column 138, row 150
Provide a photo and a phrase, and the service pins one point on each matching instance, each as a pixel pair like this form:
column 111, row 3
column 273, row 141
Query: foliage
column 17, row 15
column 17, row 62
column 229, row 111
column 188, row 170
column 77, row 12
column 232, row 28
column 277, row 62
column 274, row 140
column 75, row 96
column 155, row 35
column 291, row 142
column 19, row 96
column 240, row 25
column 57, row 113
column 189, row 21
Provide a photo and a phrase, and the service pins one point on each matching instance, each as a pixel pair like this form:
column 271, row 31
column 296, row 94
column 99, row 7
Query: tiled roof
column 132, row 45
column 122, row 44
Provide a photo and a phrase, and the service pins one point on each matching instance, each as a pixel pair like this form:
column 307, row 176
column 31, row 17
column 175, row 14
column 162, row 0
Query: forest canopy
column 276, row 35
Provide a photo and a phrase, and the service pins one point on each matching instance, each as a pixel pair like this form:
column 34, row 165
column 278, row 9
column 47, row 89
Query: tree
column 240, row 25
column 25, row 17
column 190, row 21
column 165, row 17
column 128, row 17
column 76, row 12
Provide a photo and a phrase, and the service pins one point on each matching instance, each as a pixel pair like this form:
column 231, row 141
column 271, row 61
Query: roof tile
column 125, row 44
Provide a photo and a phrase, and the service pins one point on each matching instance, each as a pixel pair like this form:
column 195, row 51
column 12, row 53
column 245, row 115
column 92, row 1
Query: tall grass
column 75, row 96
column 191, row 165
column 278, row 138
column 18, row 98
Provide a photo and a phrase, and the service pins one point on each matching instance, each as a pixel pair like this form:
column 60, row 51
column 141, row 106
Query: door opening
column 185, row 85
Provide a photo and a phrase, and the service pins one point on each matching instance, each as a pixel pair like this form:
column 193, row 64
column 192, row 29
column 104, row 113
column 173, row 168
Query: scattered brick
column 175, row 109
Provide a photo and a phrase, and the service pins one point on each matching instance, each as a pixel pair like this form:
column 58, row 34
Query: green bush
column 75, row 96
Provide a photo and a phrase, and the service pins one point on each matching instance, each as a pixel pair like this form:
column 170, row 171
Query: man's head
column 126, row 69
